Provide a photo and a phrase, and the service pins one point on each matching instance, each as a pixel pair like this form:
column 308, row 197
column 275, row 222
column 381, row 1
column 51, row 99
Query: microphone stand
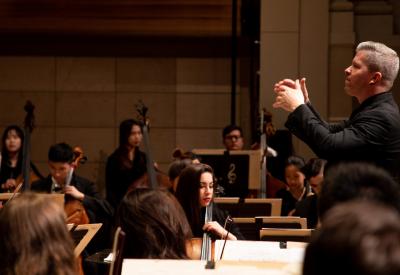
column 229, row 223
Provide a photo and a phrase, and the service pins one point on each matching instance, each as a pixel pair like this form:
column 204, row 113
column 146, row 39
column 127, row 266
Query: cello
column 74, row 209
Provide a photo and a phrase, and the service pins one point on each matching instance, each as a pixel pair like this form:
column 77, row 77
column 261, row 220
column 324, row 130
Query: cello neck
column 206, row 245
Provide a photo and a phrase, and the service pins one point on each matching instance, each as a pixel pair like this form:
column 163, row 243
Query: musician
column 155, row 225
column 295, row 190
column 308, row 208
column 127, row 163
column 232, row 138
column 11, row 159
column 181, row 161
column 98, row 210
column 195, row 192
column 34, row 238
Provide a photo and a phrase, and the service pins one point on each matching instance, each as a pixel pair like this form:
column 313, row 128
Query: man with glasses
column 232, row 138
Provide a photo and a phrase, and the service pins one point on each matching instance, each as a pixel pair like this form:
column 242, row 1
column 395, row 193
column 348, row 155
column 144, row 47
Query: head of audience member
column 346, row 181
column 373, row 70
column 232, row 137
column 294, row 176
column 314, row 173
column 34, row 238
column 130, row 134
column 60, row 160
column 358, row 237
column 155, row 225
column 195, row 190
column 11, row 143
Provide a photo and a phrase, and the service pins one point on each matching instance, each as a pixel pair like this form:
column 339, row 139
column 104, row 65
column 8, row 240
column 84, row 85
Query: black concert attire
column 308, row 208
column 288, row 201
column 219, row 216
column 121, row 173
column 371, row 134
column 8, row 172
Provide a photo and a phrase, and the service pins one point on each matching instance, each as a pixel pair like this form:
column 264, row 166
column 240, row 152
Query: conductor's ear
column 377, row 77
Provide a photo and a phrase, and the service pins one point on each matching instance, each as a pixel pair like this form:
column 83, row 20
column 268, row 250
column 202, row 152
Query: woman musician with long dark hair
column 127, row 163
column 11, row 160
column 195, row 192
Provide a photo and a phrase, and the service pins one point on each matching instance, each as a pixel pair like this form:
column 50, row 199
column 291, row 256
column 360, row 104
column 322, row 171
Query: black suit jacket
column 371, row 134
column 96, row 207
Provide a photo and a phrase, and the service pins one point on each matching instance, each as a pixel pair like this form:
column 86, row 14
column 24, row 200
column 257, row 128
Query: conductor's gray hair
column 381, row 58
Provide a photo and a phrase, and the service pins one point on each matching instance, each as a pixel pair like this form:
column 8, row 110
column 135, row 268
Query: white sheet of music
column 240, row 257
column 260, row 251
column 194, row 267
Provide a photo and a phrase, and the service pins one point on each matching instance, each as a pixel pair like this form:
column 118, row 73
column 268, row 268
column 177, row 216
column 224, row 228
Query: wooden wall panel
column 117, row 17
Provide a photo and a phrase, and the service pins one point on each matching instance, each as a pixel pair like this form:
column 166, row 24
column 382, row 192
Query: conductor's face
column 358, row 76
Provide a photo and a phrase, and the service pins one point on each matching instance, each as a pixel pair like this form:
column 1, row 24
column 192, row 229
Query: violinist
column 11, row 159
column 60, row 161
column 127, row 163
column 195, row 192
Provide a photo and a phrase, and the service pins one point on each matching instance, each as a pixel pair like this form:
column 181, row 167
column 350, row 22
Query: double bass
column 153, row 177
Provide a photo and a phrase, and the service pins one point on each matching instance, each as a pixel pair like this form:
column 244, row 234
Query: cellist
column 60, row 161
column 195, row 192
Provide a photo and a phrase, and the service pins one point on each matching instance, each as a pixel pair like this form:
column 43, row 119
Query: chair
column 281, row 222
column 118, row 247
column 256, row 204
column 285, row 235
column 250, row 208
column 248, row 228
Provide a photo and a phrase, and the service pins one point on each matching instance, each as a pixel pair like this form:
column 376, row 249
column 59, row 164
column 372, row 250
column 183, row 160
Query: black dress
column 8, row 172
column 119, row 177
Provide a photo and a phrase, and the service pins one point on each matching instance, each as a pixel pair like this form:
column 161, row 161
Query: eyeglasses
column 233, row 137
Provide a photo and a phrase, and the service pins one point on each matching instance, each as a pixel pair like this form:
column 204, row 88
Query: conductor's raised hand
column 304, row 90
column 288, row 97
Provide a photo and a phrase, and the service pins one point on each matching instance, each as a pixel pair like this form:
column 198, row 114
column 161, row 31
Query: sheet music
column 193, row 267
column 259, row 251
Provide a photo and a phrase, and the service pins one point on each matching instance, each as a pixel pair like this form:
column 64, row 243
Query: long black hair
column 5, row 158
column 125, row 129
column 187, row 193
